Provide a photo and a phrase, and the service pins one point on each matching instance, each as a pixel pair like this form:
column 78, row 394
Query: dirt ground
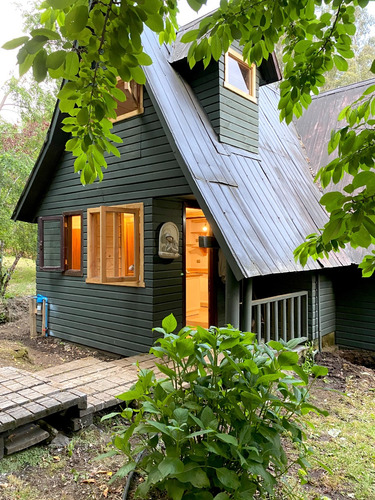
column 71, row 472
column 33, row 354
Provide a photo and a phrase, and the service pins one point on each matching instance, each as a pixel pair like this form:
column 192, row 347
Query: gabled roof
column 260, row 207
column 269, row 70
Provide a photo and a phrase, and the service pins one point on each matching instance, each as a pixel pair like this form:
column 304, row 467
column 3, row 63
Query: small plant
column 309, row 357
column 215, row 425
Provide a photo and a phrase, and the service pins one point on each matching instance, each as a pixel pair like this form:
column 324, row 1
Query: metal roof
column 320, row 118
column 260, row 207
column 314, row 128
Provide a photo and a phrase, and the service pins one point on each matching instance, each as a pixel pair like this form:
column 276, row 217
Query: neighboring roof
column 320, row 118
column 314, row 128
column 269, row 70
column 260, row 207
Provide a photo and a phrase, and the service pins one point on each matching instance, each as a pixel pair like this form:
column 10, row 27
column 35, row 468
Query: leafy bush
column 216, row 425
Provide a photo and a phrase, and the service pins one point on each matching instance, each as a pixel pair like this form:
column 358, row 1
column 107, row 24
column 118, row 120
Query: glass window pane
column 94, row 270
column 73, row 242
column 239, row 74
column 120, row 241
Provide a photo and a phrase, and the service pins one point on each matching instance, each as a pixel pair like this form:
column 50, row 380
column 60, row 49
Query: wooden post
column 32, row 316
column 247, row 319
column 232, row 299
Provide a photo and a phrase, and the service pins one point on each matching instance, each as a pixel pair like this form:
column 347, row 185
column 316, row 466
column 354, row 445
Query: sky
column 11, row 27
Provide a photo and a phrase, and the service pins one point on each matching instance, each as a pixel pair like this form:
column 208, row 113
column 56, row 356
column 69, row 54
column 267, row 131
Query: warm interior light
column 205, row 228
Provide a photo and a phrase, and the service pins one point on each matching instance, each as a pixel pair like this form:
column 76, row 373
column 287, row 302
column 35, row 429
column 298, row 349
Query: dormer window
column 134, row 100
column 239, row 76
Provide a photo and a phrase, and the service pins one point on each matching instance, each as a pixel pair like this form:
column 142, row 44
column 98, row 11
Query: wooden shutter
column 51, row 244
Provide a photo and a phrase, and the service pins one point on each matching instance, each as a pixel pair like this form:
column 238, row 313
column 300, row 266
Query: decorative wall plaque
column 169, row 238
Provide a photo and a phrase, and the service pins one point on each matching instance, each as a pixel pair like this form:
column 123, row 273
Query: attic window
column 239, row 76
column 134, row 100
column 115, row 245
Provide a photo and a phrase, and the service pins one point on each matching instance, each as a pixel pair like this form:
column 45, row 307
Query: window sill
column 70, row 272
column 134, row 284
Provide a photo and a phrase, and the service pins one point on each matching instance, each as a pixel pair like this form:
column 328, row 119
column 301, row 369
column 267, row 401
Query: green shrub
column 216, row 425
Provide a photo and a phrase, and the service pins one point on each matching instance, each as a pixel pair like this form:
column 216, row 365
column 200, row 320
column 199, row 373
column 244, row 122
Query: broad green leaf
column 170, row 466
column 51, row 35
column 56, row 59
column 287, row 358
column 319, row 371
column 83, row 116
column 169, row 323
column 216, row 47
column 39, row 66
column 155, row 23
column 35, row 44
column 195, row 475
column 138, row 75
column 60, row 4
column 228, row 478
column 190, row 36
column 71, row 65
column 340, row 63
column 221, row 496
column 16, row 42
column 144, row 59
column 76, row 20
column 227, row 438
column 167, row 371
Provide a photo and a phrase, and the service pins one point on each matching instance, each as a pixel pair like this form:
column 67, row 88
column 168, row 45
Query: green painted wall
column 355, row 317
column 233, row 117
column 109, row 317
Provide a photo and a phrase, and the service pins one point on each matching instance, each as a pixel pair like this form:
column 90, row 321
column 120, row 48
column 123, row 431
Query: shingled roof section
column 260, row 207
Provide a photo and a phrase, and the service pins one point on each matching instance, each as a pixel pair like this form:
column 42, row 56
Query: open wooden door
column 200, row 299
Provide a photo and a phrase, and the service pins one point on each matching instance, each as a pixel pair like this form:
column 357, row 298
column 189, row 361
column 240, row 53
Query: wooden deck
column 83, row 387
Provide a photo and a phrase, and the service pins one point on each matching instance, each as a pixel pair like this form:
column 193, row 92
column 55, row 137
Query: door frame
column 212, row 270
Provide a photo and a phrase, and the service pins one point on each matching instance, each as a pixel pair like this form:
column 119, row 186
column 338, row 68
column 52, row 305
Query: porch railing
column 280, row 317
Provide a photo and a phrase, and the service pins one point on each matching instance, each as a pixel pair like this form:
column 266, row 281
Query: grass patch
column 22, row 282
column 38, row 456
column 343, row 441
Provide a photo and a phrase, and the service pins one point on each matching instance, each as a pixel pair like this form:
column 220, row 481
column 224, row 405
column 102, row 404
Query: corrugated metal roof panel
column 260, row 207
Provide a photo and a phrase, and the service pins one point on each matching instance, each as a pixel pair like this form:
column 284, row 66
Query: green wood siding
column 109, row 317
column 355, row 317
column 233, row 117
column 238, row 117
column 327, row 305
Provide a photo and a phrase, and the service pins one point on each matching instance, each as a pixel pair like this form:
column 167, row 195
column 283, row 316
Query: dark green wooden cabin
column 205, row 152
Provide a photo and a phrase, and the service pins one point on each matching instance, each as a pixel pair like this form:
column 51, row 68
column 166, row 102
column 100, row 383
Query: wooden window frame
column 251, row 95
column 41, row 224
column 135, row 112
column 72, row 272
column 134, row 281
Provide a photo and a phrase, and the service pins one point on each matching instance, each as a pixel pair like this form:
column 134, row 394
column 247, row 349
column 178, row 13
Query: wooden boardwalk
column 82, row 387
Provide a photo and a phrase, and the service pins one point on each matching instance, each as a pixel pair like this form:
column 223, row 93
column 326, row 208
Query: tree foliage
column 90, row 45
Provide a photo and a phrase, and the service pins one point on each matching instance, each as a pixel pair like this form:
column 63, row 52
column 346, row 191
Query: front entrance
column 198, row 271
